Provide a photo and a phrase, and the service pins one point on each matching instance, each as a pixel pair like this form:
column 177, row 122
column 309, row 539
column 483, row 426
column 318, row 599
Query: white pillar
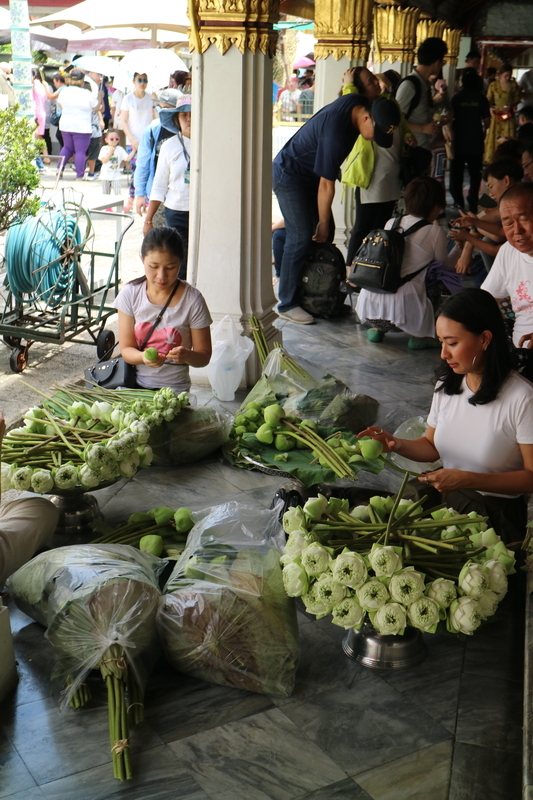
column 22, row 58
column 231, row 190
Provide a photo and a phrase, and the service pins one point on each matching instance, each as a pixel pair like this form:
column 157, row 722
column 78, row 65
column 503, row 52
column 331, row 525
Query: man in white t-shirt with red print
column 512, row 272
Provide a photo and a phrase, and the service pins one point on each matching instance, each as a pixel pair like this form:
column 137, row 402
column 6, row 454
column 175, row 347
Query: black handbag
column 377, row 264
column 112, row 374
column 117, row 372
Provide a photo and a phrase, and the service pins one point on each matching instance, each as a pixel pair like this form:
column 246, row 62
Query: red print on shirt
column 163, row 339
column 522, row 298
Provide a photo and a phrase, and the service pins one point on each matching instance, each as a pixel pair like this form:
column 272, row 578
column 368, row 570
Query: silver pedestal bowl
column 370, row 648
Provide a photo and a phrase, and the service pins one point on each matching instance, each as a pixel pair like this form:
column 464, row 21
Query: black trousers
column 368, row 216
column 474, row 164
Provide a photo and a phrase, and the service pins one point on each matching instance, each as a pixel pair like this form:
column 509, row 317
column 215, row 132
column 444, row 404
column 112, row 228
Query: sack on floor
column 378, row 262
column 323, row 274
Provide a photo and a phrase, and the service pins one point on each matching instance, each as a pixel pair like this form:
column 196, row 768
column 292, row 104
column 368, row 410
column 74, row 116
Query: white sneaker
column 297, row 315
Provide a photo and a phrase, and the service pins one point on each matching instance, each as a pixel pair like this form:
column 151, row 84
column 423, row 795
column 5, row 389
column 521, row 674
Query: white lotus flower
column 385, row 561
column 464, row 615
column 423, row 613
column 348, row 614
column 497, row 578
column 314, row 605
column 329, row 591
column 406, row 586
column 473, row 580
column 297, row 542
column 295, row 580
column 488, row 603
column 442, row 591
column 390, row 619
column 315, row 559
column 349, row 569
column 6, row 471
column 372, row 595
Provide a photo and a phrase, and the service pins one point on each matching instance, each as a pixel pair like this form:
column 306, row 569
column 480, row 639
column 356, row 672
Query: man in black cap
column 304, row 174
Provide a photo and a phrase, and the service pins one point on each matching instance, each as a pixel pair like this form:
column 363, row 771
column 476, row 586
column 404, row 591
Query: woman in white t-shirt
column 182, row 336
column 75, row 124
column 410, row 309
column 136, row 114
column 480, row 424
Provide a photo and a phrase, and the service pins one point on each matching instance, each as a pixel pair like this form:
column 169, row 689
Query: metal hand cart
column 51, row 292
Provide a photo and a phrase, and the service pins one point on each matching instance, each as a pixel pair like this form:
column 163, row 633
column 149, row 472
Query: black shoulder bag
column 117, row 372
column 377, row 264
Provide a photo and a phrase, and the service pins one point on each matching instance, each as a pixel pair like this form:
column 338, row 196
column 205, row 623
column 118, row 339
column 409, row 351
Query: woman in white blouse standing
column 136, row 114
column 480, row 423
column 172, row 178
column 410, row 308
column 77, row 105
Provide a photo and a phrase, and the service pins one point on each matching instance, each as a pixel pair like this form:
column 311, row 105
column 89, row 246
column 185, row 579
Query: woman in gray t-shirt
column 182, row 337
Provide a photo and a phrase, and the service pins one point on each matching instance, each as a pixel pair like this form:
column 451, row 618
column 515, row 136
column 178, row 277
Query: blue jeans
column 278, row 246
column 297, row 200
column 179, row 220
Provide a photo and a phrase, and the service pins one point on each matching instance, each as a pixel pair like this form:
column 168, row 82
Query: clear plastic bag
column 412, row 428
column 230, row 351
column 310, row 392
column 91, row 598
column 193, row 434
column 225, row 616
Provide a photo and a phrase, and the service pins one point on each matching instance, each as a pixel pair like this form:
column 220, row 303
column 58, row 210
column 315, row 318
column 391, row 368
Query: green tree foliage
column 18, row 174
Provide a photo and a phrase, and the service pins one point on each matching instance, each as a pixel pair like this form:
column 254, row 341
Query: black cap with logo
column 386, row 116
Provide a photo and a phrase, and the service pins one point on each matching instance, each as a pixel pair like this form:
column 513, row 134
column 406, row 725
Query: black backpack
column 378, row 262
column 415, row 100
column 324, row 272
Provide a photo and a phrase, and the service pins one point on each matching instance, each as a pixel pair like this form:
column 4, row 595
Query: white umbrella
column 41, row 38
column 152, row 16
column 158, row 65
column 101, row 64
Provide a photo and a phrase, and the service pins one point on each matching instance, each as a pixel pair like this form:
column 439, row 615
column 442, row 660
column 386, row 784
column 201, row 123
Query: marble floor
column 448, row 729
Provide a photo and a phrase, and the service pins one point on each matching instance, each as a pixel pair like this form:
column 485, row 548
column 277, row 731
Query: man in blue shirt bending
column 304, row 174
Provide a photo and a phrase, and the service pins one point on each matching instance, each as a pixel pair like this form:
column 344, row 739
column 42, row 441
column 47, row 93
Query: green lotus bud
column 240, row 430
column 151, row 544
column 183, row 520
column 151, row 354
column 378, row 503
column 139, row 516
column 273, row 414
column 256, row 405
column 283, row 442
column 265, row 434
column 315, row 507
column 281, row 457
column 161, row 514
column 252, row 427
column 191, row 569
column 309, row 423
column 370, row 449
column 342, row 454
column 252, row 414
column 240, row 419
column 334, row 443
column 355, row 458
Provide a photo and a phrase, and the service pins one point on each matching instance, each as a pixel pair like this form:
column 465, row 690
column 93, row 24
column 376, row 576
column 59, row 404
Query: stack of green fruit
column 162, row 531
column 272, row 426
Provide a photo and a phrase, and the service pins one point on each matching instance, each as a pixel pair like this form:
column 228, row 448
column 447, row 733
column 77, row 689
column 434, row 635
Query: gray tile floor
column 448, row 729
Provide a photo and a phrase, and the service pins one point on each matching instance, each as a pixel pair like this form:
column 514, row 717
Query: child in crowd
column 112, row 156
